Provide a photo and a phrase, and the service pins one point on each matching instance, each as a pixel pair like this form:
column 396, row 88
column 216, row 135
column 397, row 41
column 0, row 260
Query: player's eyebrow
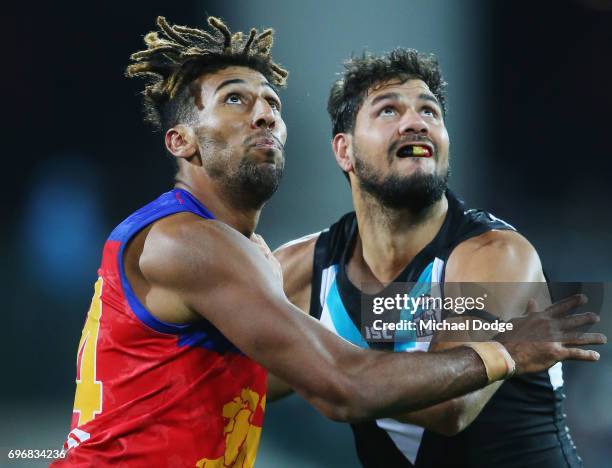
column 265, row 83
column 396, row 96
column 382, row 97
column 272, row 88
column 429, row 97
column 229, row 82
column 241, row 81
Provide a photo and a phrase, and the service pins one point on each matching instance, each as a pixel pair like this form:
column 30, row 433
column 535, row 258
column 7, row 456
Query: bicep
column 219, row 275
column 296, row 260
column 500, row 271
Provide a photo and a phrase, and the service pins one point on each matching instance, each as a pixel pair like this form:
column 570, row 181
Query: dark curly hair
column 363, row 73
column 178, row 55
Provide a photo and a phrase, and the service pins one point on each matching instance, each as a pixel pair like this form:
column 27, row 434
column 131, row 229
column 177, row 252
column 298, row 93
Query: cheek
column 374, row 142
column 373, row 135
column 223, row 130
column 443, row 154
column 443, row 142
column 281, row 131
column 446, row 139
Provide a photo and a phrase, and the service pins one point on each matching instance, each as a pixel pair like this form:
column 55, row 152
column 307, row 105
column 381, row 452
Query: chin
column 270, row 154
column 416, row 191
column 260, row 180
column 418, row 171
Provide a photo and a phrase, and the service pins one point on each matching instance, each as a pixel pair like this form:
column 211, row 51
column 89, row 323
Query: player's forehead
column 398, row 89
column 236, row 76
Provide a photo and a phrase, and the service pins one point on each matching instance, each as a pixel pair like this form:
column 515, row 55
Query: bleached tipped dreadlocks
column 177, row 55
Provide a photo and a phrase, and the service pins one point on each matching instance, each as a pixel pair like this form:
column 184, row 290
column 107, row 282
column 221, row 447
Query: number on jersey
column 88, row 398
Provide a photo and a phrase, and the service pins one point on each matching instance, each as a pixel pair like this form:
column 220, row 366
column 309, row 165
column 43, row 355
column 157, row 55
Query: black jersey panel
column 522, row 425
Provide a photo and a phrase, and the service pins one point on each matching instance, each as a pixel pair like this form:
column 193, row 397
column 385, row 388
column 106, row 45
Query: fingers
column 581, row 339
column 562, row 307
column 574, row 321
column 577, row 354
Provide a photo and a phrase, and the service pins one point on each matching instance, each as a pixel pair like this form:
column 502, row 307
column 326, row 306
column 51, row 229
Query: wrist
column 498, row 363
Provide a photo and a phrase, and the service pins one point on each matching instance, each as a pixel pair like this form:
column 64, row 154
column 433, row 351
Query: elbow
column 448, row 429
column 340, row 400
column 346, row 413
column 454, row 420
column 335, row 412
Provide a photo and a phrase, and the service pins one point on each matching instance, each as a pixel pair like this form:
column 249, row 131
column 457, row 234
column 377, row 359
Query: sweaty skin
column 183, row 268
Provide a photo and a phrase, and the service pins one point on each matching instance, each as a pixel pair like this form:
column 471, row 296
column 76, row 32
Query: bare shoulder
column 295, row 252
column 178, row 255
column 503, row 242
column 497, row 255
column 184, row 246
column 505, row 265
column 296, row 259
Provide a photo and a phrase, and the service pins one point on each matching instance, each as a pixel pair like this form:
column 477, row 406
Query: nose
column 412, row 122
column 263, row 115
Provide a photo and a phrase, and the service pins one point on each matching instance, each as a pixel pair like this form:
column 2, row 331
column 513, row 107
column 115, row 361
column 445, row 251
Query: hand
column 273, row 262
column 541, row 339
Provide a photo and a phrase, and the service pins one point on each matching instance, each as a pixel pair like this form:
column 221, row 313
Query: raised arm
column 204, row 268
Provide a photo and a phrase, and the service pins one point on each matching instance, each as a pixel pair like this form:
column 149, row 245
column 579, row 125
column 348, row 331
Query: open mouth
column 414, row 151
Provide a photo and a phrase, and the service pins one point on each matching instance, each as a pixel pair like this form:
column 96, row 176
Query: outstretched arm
column 206, row 268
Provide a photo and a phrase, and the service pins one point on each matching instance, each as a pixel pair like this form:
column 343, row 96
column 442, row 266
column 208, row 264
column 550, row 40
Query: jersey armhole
column 318, row 260
column 141, row 312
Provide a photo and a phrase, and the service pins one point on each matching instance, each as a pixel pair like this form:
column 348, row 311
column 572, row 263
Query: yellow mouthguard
column 419, row 151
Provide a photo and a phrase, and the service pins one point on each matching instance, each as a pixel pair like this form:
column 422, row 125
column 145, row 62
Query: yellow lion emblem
column 241, row 436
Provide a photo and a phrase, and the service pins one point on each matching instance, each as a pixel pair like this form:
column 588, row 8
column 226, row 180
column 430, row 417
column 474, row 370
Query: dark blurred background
column 529, row 119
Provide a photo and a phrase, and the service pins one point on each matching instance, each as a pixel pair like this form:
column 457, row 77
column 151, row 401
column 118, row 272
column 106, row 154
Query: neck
column 388, row 239
column 212, row 194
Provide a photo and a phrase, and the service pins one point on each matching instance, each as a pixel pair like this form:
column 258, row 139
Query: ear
column 181, row 141
column 342, row 147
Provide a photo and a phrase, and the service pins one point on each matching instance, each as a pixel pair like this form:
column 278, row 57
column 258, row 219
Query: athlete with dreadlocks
column 189, row 306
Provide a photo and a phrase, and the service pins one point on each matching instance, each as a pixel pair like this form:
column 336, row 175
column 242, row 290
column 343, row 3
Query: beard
column 249, row 184
column 416, row 192
column 252, row 183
